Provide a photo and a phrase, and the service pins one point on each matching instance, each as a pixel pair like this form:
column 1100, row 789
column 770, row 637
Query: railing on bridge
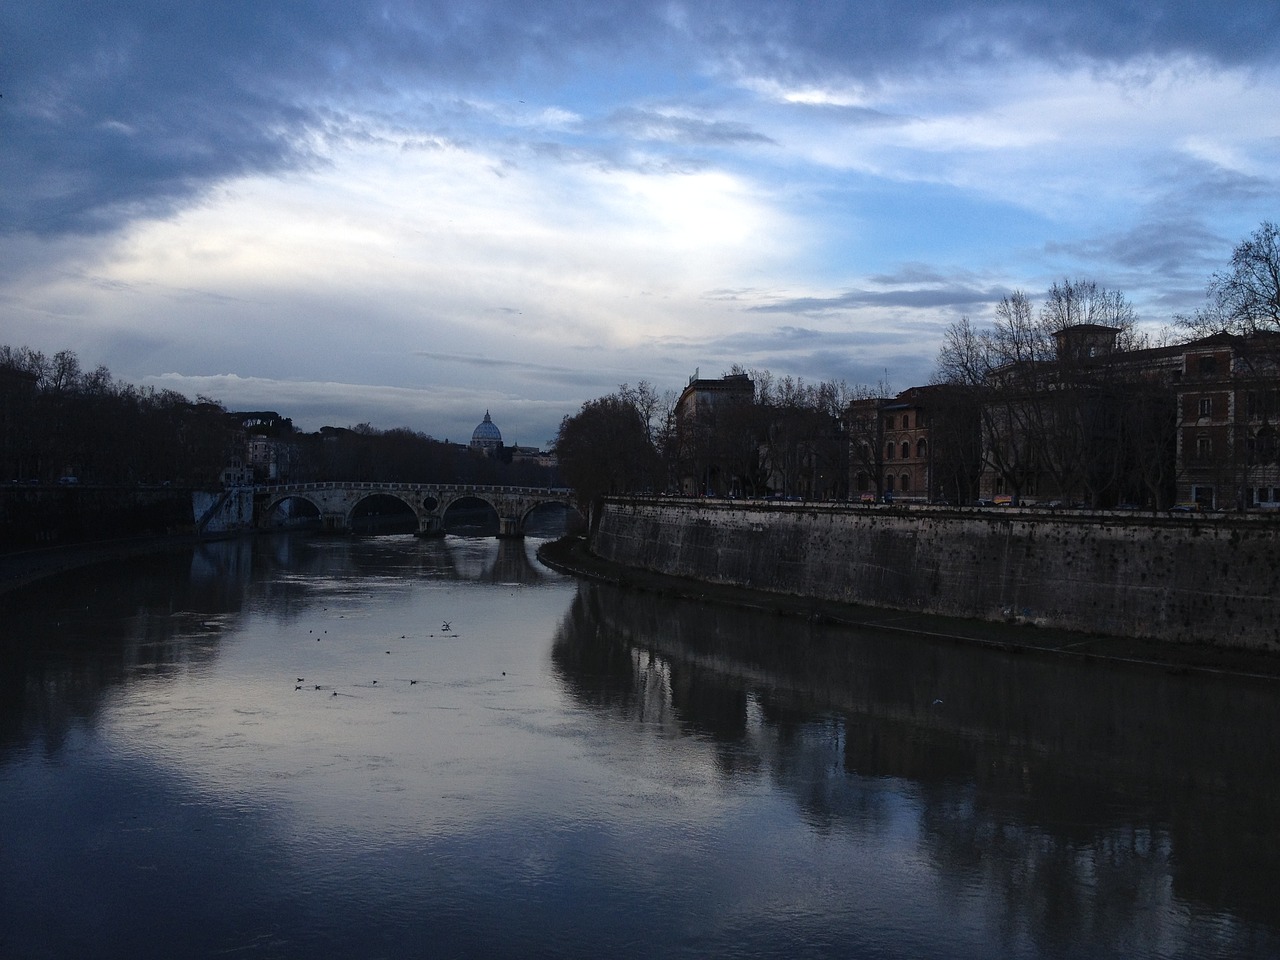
column 316, row 485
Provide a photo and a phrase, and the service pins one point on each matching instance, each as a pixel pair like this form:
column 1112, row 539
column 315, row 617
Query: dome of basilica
column 486, row 435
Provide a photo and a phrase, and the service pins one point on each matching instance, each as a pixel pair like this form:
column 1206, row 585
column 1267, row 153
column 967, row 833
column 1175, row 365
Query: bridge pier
column 510, row 528
column 333, row 522
column 430, row 526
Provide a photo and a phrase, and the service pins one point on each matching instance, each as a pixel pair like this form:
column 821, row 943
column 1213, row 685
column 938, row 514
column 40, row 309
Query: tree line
column 59, row 420
column 785, row 437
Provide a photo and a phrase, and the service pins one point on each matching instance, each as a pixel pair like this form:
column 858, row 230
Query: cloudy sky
column 410, row 211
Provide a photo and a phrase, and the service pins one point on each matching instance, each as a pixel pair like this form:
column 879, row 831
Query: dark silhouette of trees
column 58, row 420
column 802, row 441
column 62, row 421
column 608, row 447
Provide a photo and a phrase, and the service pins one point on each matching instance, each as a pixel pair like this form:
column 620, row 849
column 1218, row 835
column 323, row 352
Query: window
column 906, row 422
column 906, row 482
column 1263, row 443
column 1261, row 406
column 888, row 450
column 1206, row 406
column 906, row 449
column 1204, row 448
column 1207, row 365
column 863, row 480
column 888, row 483
column 922, row 449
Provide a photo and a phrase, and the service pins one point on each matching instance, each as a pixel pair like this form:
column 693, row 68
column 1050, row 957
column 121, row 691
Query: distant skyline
column 406, row 213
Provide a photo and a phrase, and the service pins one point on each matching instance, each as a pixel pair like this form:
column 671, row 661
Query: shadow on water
column 1081, row 791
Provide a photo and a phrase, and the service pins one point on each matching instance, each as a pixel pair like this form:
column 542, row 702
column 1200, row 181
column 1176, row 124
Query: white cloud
column 1043, row 137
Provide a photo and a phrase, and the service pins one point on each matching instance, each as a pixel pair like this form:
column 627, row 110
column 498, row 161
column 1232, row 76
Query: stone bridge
column 429, row 501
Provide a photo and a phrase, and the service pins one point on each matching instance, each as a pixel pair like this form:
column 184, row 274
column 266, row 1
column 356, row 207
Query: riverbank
column 571, row 555
column 1177, row 579
column 20, row 568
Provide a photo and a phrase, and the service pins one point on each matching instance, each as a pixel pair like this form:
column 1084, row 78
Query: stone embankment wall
column 1196, row 579
column 56, row 514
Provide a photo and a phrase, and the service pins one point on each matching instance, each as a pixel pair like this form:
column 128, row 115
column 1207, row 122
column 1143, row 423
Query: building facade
column 890, row 447
column 714, row 436
column 1228, row 398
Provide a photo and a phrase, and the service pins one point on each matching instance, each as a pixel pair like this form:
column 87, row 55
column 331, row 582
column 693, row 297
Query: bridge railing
column 414, row 487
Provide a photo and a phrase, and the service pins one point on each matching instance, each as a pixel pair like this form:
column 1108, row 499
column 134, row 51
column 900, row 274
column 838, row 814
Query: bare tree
column 1245, row 300
column 1046, row 389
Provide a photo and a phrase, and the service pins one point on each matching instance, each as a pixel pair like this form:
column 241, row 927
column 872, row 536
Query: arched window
column 888, row 450
column 906, row 482
column 906, row 422
column 863, row 482
column 922, row 449
column 906, row 449
column 888, row 483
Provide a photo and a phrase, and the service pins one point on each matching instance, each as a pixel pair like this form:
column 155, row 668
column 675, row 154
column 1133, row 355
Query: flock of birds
column 446, row 629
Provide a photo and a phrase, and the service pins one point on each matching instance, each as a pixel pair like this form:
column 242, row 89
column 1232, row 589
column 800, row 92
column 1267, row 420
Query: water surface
column 390, row 747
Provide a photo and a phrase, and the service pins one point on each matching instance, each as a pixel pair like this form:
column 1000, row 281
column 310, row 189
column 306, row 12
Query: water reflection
column 1082, row 804
column 68, row 640
column 574, row 769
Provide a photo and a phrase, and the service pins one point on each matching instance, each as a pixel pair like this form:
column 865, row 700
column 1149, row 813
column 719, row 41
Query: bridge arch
column 290, row 510
column 484, row 513
column 384, row 512
column 546, row 512
column 337, row 502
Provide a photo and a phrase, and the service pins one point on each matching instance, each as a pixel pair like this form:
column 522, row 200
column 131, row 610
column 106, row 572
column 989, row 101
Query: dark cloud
column 1170, row 244
column 958, row 296
column 1169, row 247
column 675, row 128
column 545, row 375
column 913, row 274
column 112, row 110
column 855, row 356
column 876, row 37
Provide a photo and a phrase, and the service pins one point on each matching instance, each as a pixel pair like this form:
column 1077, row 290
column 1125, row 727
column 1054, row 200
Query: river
column 391, row 747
